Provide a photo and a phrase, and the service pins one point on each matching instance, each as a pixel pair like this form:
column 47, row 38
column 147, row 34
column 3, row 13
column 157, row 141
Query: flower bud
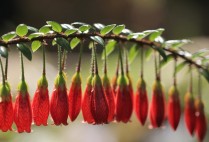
column 174, row 108
column 99, row 105
column 124, row 104
column 59, row 101
column 189, row 113
column 74, row 97
column 40, row 104
column 86, row 102
column 6, row 108
column 157, row 107
column 22, row 109
column 201, row 122
column 110, row 97
column 141, row 101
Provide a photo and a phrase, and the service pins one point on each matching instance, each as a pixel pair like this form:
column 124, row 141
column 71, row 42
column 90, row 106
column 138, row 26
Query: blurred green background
column 181, row 19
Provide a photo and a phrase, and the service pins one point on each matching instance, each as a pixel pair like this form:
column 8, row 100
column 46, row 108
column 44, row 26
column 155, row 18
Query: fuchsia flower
column 110, row 97
column 189, row 113
column 174, row 108
column 99, row 104
column 40, row 104
column 74, row 97
column 6, row 108
column 124, row 104
column 59, row 101
column 201, row 122
column 22, row 110
column 157, row 107
column 141, row 101
column 86, row 102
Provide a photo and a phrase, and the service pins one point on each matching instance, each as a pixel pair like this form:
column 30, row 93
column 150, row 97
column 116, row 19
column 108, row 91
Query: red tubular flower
column 86, row 102
column 189, row 113
column 174, row 108
column 124, row 104
column 110, row 97
column 22, row 110
column 6, row 108
column 59, row 101
column 130, row 84
column 201, row 123
column 141, row 101
column 114, row 84
column 40, row 104
column 74, row 97
column 157, row 107
column 99, row 105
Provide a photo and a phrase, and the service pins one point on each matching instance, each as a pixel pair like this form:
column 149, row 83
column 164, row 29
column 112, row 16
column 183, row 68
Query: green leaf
column 3, row 51
column 74, row 42
column 110, row 46
column 9, row 36
column 126, row 31
column 91, row 44
column 200, row 53
column 156, row 34
column 84, row 28
column 99, row 26
column 55, row 26
column 98, row 39
column 63, row 43
column 70, row 31
column 67, row 26
column 205, row 73
column 25, row 50
column 176, row 43
column 35, row 35
column 21, row 30
column 163, row 62
column 78, row 23
column 54, row 42
column 148, row 53
column 33, row 29
column 180, row 66
column 161, row 52
column 45, row 29
column 136, row 36
column 134, row 51
column 118, row 29
column 35, row 45
column 107, row 29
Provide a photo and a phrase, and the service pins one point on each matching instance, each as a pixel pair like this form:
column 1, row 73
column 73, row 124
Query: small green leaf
column 98, row 39
column 54, row 42
column 200, row 53
column 148, row 53
column 155, row 34
column 9, row 36
column 110, row 46
column 78, row 23
column 35, row 35
column 74, row 42
column 70, row 31
column 21, row 30
column 67, row 26
column 180, row 66
column 136, row 36
column 63, row 43
column 3, row 51
column 176, row 43
column 107, row 29
column 33, row 29
column 161, row 52
column 205, row 73
column 45, row 29
column 84, row 28
column 126, row 31
column 99, row 26
column 35, row 45
column 163, row 62
column 134, row 51
column 55, row 26
column 25, row 50
column 118, row 29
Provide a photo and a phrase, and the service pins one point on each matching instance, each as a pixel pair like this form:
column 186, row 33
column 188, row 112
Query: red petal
column 23, row 113
column 40, row 106
column 74, row 99
column 6, row 115
column 124, row 104
column 59, row 106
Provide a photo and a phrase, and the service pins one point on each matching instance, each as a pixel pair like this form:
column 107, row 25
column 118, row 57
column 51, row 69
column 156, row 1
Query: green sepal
column 157, row 86
column 122, row 80
column 22, row 87
column 76, row 79
column 89, row 80
column 60, row 81
column 105, row 80
column 42, row 82
column 173, row 91
column 96, row 80
column 141, row 84
column 4, row 90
